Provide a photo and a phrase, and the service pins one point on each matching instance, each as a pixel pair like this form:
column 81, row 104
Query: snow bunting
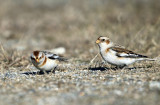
column 45, row 61
column 117, row 56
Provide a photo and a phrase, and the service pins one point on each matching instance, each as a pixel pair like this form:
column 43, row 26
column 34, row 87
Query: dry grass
column 31, row 24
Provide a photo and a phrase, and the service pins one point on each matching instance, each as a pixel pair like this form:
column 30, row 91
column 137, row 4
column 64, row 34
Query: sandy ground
column 75, row 25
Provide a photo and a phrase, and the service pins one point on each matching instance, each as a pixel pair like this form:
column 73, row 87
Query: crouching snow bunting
column 117, row 56
column 45, row 61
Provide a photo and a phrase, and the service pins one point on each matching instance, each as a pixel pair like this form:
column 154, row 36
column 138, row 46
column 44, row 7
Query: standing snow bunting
column 45, row 61
column 117, row 56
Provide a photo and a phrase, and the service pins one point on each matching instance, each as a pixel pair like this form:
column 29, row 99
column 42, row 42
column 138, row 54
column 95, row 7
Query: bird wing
column 53, row 56
column 121, row 52
column 50, row 55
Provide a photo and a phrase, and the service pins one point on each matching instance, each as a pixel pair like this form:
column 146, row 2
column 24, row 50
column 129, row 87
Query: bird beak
column 98, row 41
column 37, row 60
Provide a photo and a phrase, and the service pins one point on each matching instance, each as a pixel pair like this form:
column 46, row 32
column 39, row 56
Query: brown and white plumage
column 45, row 61
column 116, row 55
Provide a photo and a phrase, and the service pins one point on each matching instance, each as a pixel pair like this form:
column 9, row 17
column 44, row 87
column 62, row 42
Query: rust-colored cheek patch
column 107, row 41
column 42, row 56
column 107, row 50
column 45, row 60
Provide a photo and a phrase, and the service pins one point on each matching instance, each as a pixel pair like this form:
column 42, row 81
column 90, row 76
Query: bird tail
column 150, row 59
column 157, row 59
column 63, row 59
column 146, row 59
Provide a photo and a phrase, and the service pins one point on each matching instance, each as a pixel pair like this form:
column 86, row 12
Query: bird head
column 37, row 56
column 104, row 42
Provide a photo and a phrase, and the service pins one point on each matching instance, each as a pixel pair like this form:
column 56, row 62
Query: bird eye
column 40, row 57
column 103, row 40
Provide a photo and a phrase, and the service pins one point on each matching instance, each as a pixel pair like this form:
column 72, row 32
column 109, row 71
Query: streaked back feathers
column 121, row 52
column 53, row 56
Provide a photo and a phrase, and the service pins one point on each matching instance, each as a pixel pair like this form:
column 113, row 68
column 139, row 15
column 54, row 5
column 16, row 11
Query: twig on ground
column 4, row 52
column 94, row 59
column 16, row 61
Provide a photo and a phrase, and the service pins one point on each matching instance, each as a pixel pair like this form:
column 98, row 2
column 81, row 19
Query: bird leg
column 120, row 67
column 42, row 72
column 53, row 70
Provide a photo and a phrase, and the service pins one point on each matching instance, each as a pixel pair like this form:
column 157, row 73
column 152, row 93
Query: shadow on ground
column 115, row 68
column 38, row 73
